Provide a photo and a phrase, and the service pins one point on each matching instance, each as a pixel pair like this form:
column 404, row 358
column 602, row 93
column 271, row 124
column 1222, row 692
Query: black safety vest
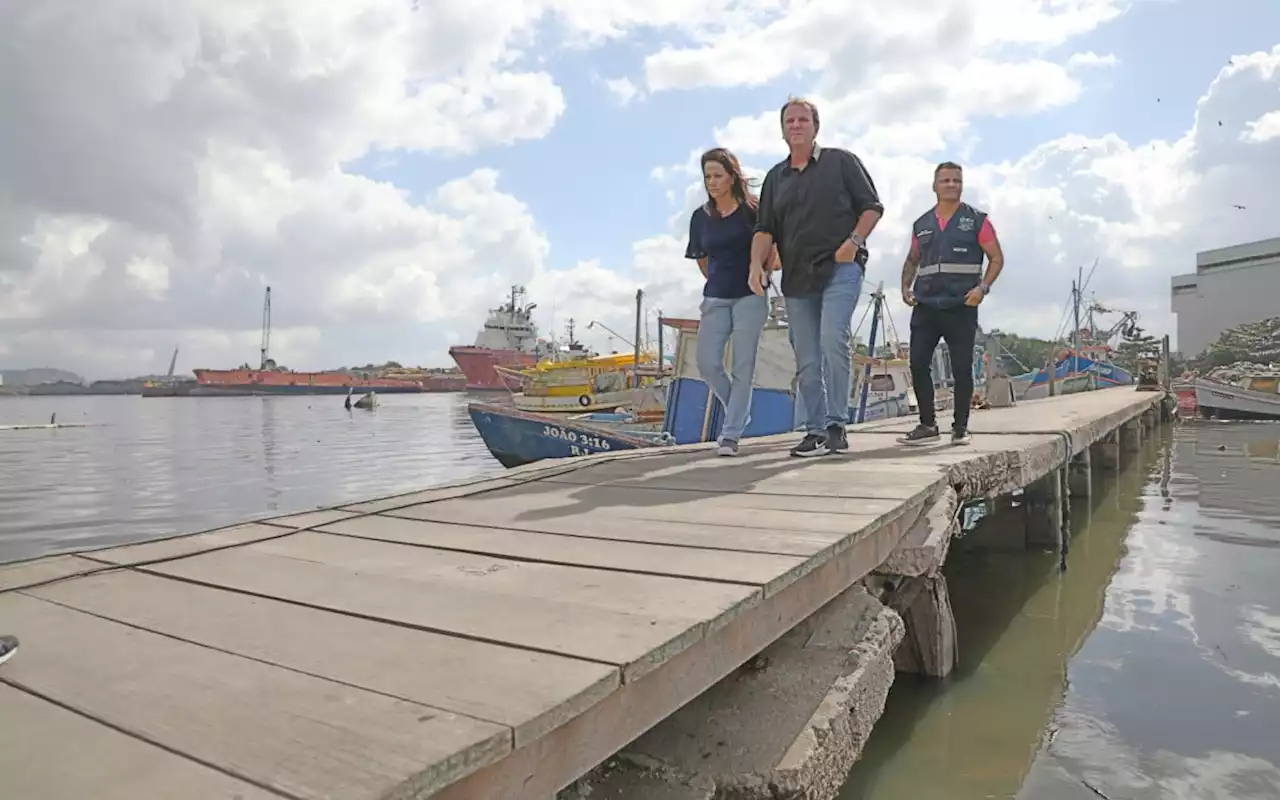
column 950, row 259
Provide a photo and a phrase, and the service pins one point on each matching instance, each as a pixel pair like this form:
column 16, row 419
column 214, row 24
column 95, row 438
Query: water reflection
column 158, row 466
column 1149, row 669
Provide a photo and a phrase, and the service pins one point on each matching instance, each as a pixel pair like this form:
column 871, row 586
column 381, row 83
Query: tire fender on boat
column 584, row 400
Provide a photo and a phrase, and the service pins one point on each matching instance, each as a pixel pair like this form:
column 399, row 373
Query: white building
column 1231, row 286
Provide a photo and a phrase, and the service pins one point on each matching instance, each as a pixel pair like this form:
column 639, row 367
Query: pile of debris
column 1254, row 343
column 1232, row 373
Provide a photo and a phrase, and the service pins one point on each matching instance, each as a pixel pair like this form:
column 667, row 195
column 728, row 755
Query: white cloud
column 623, row 89
column 173, row 157
column 1091, row 59
column 1263, row 129
column 1141, row 209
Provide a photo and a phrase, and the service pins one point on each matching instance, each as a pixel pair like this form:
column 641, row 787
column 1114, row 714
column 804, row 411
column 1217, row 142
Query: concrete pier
column 505, row 637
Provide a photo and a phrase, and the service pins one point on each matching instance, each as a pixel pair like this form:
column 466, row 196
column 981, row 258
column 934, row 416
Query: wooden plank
column 543, row 767
column 182, row 546
column 309, row 519
column 1046, row 415
column 429, row 495
column 45, row 569
column 300, row 735
column 529, row 692
column 883, row 482
column 689, row 562
column 50, row 753
column 607, row 504
column 619, row 618
column 684, row 534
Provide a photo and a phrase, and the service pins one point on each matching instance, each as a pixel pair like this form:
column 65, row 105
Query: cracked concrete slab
column 789, row 724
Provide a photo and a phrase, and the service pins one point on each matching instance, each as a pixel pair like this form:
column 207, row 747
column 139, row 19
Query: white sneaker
column 728, row 447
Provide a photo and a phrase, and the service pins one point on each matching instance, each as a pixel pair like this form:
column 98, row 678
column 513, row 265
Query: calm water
column 156, row 466
column 1151, row 669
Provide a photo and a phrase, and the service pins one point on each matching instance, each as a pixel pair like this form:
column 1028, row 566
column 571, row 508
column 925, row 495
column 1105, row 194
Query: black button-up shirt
column 810, row 212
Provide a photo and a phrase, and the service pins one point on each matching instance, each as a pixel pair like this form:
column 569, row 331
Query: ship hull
column 242, row 382
column 256, row 390
column 478, row 364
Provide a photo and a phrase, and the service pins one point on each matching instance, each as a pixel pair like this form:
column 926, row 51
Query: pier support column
column 930, row 646
column 1043, row 504
column 1131, row 436
column 1108, row 452
column 1080, row 474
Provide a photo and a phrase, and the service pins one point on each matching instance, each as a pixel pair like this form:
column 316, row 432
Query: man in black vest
column 944, row 282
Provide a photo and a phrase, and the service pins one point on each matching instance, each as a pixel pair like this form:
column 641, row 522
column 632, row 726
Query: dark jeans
column 958, row 327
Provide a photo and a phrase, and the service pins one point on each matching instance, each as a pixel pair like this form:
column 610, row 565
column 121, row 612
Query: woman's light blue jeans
column 736, row 322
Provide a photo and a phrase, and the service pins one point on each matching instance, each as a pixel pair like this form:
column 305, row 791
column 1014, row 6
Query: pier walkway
column 493, row 639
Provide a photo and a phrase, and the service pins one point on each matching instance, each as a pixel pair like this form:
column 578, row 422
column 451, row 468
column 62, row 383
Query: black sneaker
column 923, row 434
column 813, row 444
column 728, row 447
column 8, row 646
column 960, row 436
column 837, row 439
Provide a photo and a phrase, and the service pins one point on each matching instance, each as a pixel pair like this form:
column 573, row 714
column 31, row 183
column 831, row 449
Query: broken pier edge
column 792, row 722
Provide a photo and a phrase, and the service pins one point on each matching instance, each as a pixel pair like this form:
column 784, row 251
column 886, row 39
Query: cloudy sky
column 391, row 167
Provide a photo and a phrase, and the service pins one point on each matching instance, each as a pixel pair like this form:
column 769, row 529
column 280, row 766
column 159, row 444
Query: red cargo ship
column 269, row 378
column 509, row 338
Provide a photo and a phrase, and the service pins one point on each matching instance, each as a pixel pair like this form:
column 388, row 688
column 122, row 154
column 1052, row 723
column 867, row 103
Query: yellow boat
column 599, row 383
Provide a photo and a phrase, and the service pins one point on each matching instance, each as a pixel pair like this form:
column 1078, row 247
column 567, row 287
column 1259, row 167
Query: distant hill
column 33, row 377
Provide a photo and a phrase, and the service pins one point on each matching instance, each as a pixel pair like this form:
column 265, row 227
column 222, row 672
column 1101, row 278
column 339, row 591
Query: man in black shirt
column 818, row 206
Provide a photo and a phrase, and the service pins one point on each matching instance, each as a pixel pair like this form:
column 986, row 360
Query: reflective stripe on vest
column 953, row 269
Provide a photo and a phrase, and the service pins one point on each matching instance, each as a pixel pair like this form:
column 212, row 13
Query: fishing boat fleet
column 579, row 406
column 659, row 400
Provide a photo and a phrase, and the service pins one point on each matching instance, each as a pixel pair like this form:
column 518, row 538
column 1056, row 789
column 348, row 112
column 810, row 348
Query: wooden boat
column 597, row 383
column 1256, row 396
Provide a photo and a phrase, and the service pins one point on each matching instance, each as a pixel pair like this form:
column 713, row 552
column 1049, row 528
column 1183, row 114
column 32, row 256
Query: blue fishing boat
column 521, row 437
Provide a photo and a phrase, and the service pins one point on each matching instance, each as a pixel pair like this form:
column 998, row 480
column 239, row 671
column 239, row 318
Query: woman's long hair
column 740, row 185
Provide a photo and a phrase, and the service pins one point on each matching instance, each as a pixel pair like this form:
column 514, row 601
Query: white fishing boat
column 1255, row 396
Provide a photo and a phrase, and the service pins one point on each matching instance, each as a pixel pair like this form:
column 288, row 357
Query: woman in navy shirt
column 720, row 234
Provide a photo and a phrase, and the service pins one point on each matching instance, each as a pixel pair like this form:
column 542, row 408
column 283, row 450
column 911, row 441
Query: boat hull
column 478, row 365
column 1223, row 401
column 517, row 437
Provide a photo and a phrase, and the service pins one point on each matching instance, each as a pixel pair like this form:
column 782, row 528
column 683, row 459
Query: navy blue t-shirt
column 726, row 244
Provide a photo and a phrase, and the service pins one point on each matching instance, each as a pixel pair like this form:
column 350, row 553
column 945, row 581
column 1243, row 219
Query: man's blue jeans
column 821, row 331
column 736, row 322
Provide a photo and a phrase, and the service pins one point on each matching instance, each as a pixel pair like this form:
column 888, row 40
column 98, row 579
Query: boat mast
column 266, row 328
column 635, row 368
column 871, row 353
column 1075, row 310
